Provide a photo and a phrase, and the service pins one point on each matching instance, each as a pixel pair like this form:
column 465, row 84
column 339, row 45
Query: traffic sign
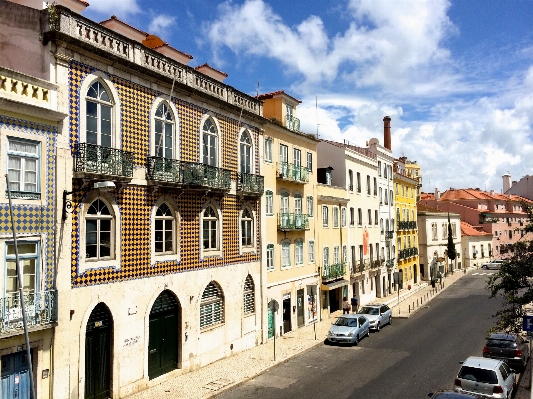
column 528, row 323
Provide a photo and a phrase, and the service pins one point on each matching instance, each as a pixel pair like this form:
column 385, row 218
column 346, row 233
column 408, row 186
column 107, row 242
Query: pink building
column 498, row 214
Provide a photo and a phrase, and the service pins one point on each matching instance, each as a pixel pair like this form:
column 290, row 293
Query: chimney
column 506, row 182
column 437, row 194
column 514, row 182
column 386, row 133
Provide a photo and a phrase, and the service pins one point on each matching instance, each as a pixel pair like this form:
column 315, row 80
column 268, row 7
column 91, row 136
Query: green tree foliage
column 450, row 249
column 514, row 282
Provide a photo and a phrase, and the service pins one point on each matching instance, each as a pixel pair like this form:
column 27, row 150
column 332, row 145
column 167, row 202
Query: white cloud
column 161, row 25
column 119, row 8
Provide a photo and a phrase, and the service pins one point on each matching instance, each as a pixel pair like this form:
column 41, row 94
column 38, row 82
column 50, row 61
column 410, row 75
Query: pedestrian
column 355, row 304
column 345, row 306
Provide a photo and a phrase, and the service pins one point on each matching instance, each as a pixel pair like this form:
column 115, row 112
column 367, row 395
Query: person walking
column 355, row 304
column 345, row 306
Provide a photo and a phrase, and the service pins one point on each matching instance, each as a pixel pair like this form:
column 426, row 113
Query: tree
column 514, row 281
column 450, row 248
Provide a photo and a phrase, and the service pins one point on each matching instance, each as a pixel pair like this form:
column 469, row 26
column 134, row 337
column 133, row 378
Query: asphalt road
column 407, row 360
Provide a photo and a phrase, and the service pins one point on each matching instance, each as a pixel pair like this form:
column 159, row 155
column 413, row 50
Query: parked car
column 493, row 264
column 349, row 328
column 489, row 378
column 447, row 394
column 377, row 314
column 511, row 348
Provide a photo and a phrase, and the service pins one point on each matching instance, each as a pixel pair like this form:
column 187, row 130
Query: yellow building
column 413, row 170
column 405, row 190
column 288, row 211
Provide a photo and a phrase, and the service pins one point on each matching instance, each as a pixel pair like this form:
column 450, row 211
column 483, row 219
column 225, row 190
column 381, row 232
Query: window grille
column 211, row 306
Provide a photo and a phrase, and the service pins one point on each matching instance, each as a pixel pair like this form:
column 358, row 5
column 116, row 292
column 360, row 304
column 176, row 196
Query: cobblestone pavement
column 239, row 368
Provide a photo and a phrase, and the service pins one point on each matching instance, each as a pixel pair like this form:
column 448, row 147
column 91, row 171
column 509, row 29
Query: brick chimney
column 386, row 133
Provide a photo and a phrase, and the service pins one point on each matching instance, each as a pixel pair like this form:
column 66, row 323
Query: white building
column 477, row 246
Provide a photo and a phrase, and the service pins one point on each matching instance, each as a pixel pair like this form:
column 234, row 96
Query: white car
column 493, row 264
column 490, row 378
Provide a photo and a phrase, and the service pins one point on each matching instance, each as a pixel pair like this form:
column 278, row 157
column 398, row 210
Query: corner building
column 160, row 238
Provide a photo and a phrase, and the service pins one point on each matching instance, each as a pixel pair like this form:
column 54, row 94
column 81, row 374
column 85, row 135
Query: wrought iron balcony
column 390, row 263
column 292, row 123
column 250, row 184
column 41, row 309
column 99, row 160
column 376, row 263
column 293, row 221
column 412, row 225
column 188, row 174
column 297, row 174
column 389, row 235
column 333, row 272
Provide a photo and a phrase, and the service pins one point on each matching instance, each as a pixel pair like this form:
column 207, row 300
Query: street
column 409, row 359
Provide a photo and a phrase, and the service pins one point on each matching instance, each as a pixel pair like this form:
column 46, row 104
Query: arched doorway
column 164, row 335
column 98, row 353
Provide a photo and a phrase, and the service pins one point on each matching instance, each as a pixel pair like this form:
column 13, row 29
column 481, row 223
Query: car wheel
column 377, row 326
column 368, row 332
column 356, row 340
column 390, row 320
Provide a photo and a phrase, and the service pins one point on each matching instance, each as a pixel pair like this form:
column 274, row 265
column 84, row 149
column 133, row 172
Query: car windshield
column 500, row 343
column 369, row 310
column 478, row 375
column 346, row 322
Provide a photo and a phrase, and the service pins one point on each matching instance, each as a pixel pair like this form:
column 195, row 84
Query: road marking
column 483, row 274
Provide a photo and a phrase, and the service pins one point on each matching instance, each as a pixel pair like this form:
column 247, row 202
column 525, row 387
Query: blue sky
column 456, row 77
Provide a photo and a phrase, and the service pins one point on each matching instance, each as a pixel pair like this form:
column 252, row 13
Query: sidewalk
column 225, row 373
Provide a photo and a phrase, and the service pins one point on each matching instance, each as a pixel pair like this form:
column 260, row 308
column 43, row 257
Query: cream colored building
column 289, row 214
column 477, row 246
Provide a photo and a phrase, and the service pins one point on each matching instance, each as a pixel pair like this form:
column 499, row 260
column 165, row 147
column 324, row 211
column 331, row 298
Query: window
column 375, row 186
column 368, row 184
column 164, row 131
column 325, row 216
column 454, row 229
column 29, row 263
column 246, row 228
column 211, row 306
column 285, row 254
column 359, row 216
column 380, row 196
column 270, row 256
column 369, row 217
column 165, row 230
column 328, row 177
column 336, row 255
column 381, row 225
column 299, row 252
column 352, row 216
column 350, row 180
column 297, row 154
column 326, row 257
column 268, row 149
column 344, row 254
column 311, row 252
column 210, row 228
column 434, row 231
column 98, row 116
column 248, row 296
column 379, row 168
column 391, row 198
column 397, row 189
column 386, row 198
column 445, row 230
column 310, row 206
column 245, row 149
column 335, row 216
column 385, row 168
column 269, row 202
column 343, row 217
column 310, row 162
column 209, row 143
column 376, row 217
column 298, row 220
column 99, row 231
column 358, row 182
column 23, row 167
column 390, row 172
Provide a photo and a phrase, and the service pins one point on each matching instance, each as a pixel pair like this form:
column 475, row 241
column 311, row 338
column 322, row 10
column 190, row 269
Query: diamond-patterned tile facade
column 136, row 202
column 37, row 217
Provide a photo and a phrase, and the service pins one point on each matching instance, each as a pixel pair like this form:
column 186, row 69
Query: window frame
column 35, row 256
column 309, row 161
column 218, row 144
column 335, row 217
column 160, row 101
column 285, row 255
column 244, row 146
column 211, row 301
column 247, row 215
column 325, row 216
column 248, row 296
column 270, row 257
column 310, row 206
column 173, row 255
column 218, row 250
column 311, row 251
column 298, row 252
column 269, row 145
column 269, row 203
column 24, row 158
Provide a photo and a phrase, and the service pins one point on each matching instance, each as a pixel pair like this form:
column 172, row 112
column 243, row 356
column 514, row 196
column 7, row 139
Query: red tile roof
column 427, row 196
column 266, row 96
column 474, row 194
column 425, row 208
column 210, row 67
column 124, row 23
column 468, row 230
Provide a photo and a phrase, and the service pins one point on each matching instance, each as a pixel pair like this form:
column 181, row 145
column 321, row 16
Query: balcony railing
column 288, row 171
column 406, row 225
column 190, row 174
column 390, row 263
column 96, row 159
column 407, row 253
column 333, row 272
column 41, row 309
column 292, row 123
column 293, row 221
column 389, row 235
column 250, row 184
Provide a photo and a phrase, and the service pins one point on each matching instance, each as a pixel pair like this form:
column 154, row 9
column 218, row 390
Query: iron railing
column 407, row 253
column 292, row 123
column 390, row 263
column 333, row 272
column 406, row 225
column 389, row 234
column 288, row 171
column 41, row 309
column 250, row 184
column 293, row 221
column 191, row 174
column 92, row 158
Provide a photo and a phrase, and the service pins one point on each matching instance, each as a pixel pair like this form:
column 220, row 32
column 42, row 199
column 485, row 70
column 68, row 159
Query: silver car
column 349, row 329
column 489, row 378
column 493, row 265
column 378, row 315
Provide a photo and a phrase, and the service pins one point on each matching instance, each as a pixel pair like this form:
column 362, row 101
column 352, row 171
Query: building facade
column 477, row 246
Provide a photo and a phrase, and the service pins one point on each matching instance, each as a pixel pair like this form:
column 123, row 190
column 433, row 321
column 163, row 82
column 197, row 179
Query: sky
column 456, row 77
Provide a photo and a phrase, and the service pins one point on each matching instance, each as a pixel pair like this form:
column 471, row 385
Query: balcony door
column 297, row 164
column 283, row 160
column 245, row 147
column 284, row 209
column 298, row 211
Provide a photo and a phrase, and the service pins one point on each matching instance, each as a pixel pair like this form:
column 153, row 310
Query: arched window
column 99, row 231
column 165, row 230
column 210, row 228
column 98, row 116
column 245, row 147
column 247, row 224
column 211, row 306
column 209, row 143
column 164, row 127
column 249, row 296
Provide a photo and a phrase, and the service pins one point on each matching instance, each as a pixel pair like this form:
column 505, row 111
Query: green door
column 98, row 353
column 163, row 336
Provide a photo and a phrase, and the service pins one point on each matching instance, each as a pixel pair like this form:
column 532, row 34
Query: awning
column 334, row 284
